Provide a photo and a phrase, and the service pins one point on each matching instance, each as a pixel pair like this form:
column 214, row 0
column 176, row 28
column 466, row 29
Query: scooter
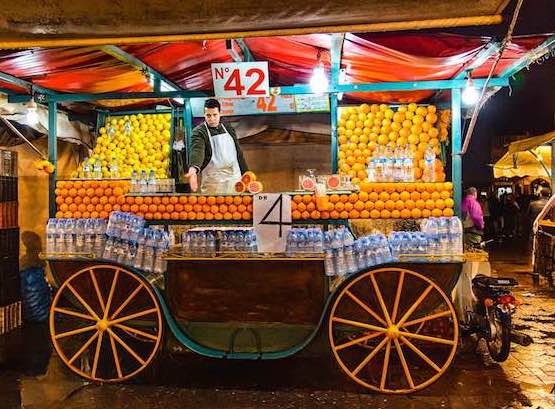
column 491, row 318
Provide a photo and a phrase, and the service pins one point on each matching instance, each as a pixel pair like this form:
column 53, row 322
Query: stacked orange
column 190, row 207
column 361, row 130
column 444, row 124
column 380, row 201
column 90, row 198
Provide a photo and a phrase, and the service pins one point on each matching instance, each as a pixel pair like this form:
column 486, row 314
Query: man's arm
column 196, row 158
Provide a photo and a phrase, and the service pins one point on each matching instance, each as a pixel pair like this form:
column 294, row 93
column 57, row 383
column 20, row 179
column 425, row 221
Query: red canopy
column 366, row 57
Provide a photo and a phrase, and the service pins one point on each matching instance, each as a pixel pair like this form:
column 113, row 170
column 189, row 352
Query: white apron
column 223, row 171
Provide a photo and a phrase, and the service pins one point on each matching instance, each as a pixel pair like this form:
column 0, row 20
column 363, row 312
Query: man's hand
column 192, row 176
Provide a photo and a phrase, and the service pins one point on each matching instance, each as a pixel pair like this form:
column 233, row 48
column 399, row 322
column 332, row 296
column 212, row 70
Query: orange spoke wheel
column 393, row 330
column 106, row 323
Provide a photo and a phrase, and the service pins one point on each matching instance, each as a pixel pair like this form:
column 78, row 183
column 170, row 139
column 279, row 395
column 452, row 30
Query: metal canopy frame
column 53, row 98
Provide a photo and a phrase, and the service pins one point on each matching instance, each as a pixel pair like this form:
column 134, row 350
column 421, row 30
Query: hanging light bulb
column 32, row 115
column 342, row 80
column 470, row 94
column 319, row 80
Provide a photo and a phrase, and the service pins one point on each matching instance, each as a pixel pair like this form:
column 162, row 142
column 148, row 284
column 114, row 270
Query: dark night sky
column 528, row 107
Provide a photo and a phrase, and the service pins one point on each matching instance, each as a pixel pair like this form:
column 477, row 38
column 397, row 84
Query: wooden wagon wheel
column 106, row 323
column 393, row 330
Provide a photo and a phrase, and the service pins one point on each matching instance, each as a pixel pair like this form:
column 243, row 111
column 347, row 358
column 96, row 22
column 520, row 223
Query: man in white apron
column 215, row 154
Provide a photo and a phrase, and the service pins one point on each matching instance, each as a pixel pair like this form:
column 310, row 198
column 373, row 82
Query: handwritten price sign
column 241, row 79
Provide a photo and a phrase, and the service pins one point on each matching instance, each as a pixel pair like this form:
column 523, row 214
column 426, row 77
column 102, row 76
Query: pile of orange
column 97, row 199
column 363, row 129
column 89, row 198
column 380, row 201
column 189, row 207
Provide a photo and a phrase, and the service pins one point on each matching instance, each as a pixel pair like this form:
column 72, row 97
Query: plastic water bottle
column 398, row 164
column 134, row 183
column 143, row 182
column 70, row 236
column 151, row 183
column 127, row 128
column 87, row 174
column 455, row 235
column 83, row 240
column 337, row 246
column 108, row 249
column 429, row 174
column 431, row 228
column 51, row 231
column 329, row 262
column 148, row 260
column 253, row 245
column 378, row 165
column 97, row 169
column 388, row 165
column 99, row 237
column 114, row 168
column 59, row 236
column 210, row 244
column 139, row 256
column 443, row 235
column 408, row 165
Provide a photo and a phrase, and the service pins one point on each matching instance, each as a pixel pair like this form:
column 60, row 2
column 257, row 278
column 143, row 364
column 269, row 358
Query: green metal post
column 456, row 159
column 52, row 155
column 188, row 124
column 333, row 113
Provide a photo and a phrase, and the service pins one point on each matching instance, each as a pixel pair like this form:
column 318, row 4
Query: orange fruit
column 310, row 207
column 162, row 208
column 399, row 205
column 236, row 216
column 409, row 204
column 395, row 214
column 178, row 207
column 307, row 199
column 437, row 213
column 379, row 205
column 166, row 200
column 406, row 213
column 246, row 215
column 182, row 200
column 363, row 196
column 420, row 204
column 295, row 215
column 426, row 213
column 425, row 195
column 344, row 215
column 174, row 216
column 148, row 200
column 405, row 196
column 297, row 198
column 359, row 205
column 348, row 207
column 440, row 204
column 315, row 214
column 211, row 200
column 333, row 198
column 353, row 197
column 415, row 196
column 416, row 213
column 334, row 214
column 385, row 214
column 214, row 209
column 430, row 204
column 201, row 200
column 324, row 215
column 364, row 214
column 394, row 196
column 375, row 214
column 301, row 207
column 228, row 200
column 448, row 186
column 124, row 208
column 448, row 212
column 192, row 200
column 339, row 206
column 410, row 187
column 421, row 187
column 220, row 200
column 218, row 216
column 134, row 208
column 190, row 215
column 373, row 196
column 344, row 198
column 449, row 202
column 384, row 196
column 305, row 215
column 223, row 209
column 354, row 214
column 94, row 200
column 369, row 205
column 389, row 204
column 430, row 187
column 444, row 194
column 182, row 215
column 231, row 208
column 170, row 208
column 378, row 187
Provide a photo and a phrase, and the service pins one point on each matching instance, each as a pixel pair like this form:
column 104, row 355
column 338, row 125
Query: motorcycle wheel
column 499, row 338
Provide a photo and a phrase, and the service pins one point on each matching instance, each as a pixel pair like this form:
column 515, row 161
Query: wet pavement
column 32, row 376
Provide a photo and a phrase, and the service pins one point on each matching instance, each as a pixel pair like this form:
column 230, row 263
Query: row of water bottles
column 304, row 240
column 94, row 170
column 397, row 165
column 209, row 241
column 143, row 182
column 411, row 244
column 76, row 236
column 344, row 255
column 445, row 235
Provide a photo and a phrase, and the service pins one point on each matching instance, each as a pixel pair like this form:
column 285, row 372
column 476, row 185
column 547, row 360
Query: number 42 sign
column 241, row 79
column 272, row 221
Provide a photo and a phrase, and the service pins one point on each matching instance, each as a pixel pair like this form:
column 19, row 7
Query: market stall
column 369, row 252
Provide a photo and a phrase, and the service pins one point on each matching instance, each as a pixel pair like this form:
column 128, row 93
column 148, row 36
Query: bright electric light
column 32, row 115
column 470, row 94
column 319, row 81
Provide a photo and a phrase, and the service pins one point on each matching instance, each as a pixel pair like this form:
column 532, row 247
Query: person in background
column 495, row 214
column 215, row 154
column 473, row 217
column 537, row 205
column 511, row 212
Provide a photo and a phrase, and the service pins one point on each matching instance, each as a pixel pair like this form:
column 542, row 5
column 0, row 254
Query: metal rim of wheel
column 386, row 334
column 105, row 326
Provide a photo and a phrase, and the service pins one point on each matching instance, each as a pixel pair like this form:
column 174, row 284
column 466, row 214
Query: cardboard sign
column 241, row 79
column 271, row 221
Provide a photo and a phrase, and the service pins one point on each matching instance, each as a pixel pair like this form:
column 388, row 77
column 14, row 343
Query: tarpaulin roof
column 367, row 58
column 526, row 157
column 40, row 20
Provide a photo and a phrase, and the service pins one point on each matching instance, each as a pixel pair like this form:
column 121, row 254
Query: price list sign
column 272, row 221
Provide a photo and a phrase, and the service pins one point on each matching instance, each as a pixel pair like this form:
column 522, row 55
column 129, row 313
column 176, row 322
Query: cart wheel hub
column 103, row 325
column 392, row 332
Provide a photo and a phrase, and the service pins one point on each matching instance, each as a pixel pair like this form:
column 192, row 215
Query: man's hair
column 471, row 191
column 212, row 103
column 545, row 192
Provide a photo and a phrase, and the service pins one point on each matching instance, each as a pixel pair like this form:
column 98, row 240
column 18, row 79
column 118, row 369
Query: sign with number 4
column 241, row 79
column 272, row 221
